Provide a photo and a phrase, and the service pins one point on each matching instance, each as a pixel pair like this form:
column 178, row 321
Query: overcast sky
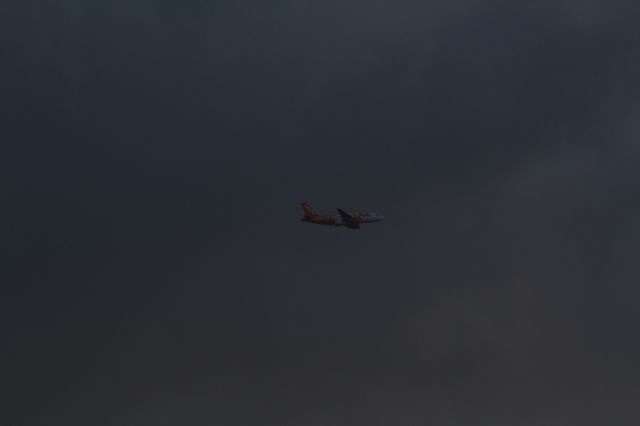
column 155, row 270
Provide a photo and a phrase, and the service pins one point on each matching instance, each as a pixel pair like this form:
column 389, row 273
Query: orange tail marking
column 308, row 211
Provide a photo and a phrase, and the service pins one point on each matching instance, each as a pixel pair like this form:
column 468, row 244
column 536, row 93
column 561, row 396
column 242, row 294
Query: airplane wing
column 348, row 220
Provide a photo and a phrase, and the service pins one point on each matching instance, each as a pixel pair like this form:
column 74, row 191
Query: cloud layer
column 157, row 272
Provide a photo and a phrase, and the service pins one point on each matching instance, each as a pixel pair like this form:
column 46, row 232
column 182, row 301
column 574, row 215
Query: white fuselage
column 343, row 218
column 366, row 217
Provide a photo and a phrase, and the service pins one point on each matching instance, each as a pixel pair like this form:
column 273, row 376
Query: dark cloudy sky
column 154, row 268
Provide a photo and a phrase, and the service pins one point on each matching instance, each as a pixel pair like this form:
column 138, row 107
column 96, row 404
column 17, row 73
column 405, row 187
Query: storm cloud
column 155, row 269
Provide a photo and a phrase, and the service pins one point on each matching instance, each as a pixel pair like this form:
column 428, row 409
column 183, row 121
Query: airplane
column 350, row 220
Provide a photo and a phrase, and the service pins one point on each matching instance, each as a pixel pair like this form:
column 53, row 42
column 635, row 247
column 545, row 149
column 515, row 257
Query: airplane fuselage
column 349, row 220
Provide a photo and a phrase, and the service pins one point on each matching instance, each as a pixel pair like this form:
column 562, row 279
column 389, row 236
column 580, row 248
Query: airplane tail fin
column 308, row 211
